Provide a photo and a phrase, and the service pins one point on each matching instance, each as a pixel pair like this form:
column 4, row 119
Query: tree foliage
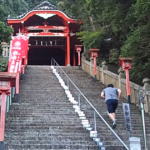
column 117, row 28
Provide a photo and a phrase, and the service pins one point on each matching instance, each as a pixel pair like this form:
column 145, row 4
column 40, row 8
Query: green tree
column 117, row 28
column 5, row 32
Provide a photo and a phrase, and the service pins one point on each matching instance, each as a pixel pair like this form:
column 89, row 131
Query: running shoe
column 114, row 123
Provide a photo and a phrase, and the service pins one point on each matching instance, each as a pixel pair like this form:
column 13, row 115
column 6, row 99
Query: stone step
column 87, row 84
column 45, row 115
column 53, row 146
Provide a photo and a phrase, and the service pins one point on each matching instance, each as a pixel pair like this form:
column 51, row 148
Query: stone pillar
column 104, row 67
column 120, row 76
column 146, row 87
column 91, row 64
column 135, row 143
column 82, row 59
column 83, row 56
column 146, row 82
column 3, row 52
column 7, row 52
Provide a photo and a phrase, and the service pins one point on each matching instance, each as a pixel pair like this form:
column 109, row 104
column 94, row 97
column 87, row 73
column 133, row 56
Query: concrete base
column 22, row 77
column 95, row 78
column 1, row 145
column 16, row 98
column 68, row 65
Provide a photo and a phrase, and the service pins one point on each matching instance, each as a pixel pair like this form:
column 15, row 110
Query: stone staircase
column 92, row 89
column 45, row 119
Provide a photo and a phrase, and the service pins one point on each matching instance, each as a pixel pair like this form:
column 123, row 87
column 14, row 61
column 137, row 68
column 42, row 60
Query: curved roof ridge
column 45, row 5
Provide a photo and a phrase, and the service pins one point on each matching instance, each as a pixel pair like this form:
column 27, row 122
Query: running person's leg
column 114, row 105
column 110, row 108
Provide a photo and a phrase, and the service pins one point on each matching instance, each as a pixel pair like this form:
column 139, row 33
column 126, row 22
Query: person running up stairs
column 112, row 96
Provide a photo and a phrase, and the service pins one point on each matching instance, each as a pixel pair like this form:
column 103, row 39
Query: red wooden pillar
column 125, row 62
column 2, row 119
column 74, row 58
column 6, row 81
column 17, row 88
column 95, row 66
column 68, row 50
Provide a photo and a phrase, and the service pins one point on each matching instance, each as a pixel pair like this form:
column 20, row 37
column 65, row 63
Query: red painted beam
column 46, row 27
column 46, row 34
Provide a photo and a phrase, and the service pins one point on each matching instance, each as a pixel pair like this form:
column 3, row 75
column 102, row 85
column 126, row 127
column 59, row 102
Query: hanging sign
column 127, row 117
column 17, row 51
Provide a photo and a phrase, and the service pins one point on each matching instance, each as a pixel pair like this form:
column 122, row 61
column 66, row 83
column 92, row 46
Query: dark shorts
column 112, row 105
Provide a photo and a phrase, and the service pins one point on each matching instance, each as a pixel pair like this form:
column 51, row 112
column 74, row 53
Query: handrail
column 141, row 101
column 92, row 106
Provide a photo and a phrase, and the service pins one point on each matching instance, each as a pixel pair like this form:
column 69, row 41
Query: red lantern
column 94, row 54
column 125, row 62
column 78, row 50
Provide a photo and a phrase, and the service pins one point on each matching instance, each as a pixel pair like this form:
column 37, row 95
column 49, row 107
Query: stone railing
column 6, row 49
column 118, row 80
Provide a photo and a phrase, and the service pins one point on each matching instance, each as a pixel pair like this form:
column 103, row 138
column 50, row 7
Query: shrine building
column 52, row 34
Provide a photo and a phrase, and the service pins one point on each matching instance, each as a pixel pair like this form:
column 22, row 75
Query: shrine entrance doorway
column 43, row 56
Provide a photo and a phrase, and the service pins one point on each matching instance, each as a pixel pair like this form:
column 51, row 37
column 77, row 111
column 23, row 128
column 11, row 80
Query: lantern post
column 78, row 50
column 94, row 54
column 6, row 81
column 125, row 62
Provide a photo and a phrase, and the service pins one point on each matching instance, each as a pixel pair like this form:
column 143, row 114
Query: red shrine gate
column 39, row 35
column 52, row 34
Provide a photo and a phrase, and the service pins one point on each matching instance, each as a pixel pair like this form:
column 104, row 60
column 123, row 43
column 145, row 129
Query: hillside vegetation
column 116, row 27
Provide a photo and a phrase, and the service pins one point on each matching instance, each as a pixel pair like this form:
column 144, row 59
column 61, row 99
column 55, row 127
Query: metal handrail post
column 95, row 121
column 79, row 100
column 141, row 100
column 10, row 95
column 7, row 102
column 56, row 68
column 68, row 82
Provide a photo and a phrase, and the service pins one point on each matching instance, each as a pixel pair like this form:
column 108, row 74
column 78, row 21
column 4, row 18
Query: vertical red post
column 127, row 81
column 2, row 119
column 95, row 66
column 74, row 58
column 78, row 50
column 68, row 50
column 17, row 88
column 79, row 59
column 125, row 62
column 6, row 81
column 94, row 54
